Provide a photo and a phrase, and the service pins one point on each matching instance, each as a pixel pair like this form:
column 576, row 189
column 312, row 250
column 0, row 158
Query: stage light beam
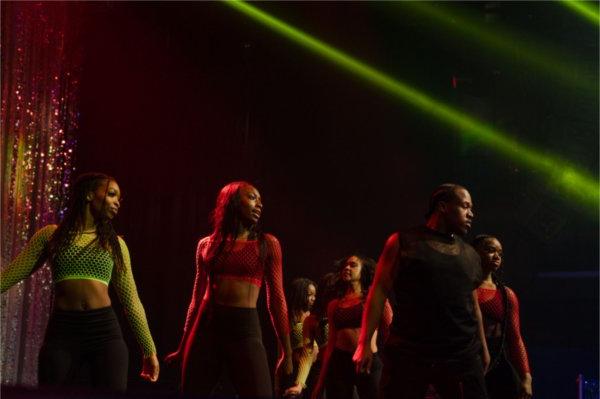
column 514, row 48
column 587, row 9
column 572, row 181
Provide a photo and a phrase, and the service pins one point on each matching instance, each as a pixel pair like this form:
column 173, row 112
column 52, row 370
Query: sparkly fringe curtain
column 40, row 80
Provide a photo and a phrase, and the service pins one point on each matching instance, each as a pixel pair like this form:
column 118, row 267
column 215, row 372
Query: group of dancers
column 429, row 318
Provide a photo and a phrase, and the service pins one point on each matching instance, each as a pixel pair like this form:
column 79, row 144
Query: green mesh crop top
column 84, row 259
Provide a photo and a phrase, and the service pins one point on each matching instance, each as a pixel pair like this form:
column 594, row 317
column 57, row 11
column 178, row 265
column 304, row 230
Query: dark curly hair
column 72, row 222
column 367, row 273
column 297, row 296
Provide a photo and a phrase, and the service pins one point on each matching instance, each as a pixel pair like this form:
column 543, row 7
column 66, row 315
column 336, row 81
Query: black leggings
column 84, row 348
column 342, row 377
column 408, row 377
column 227, row 338
column 502, row 381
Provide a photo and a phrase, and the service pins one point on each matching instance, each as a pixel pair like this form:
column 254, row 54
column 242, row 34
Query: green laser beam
column 585, row 9
column 515, row 48
column 574, row 182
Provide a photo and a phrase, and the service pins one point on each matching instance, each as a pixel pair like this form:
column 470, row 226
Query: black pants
column 342, row 377
column 502, row 381
column 84, row 348
column 227, row 339
column 408, row 378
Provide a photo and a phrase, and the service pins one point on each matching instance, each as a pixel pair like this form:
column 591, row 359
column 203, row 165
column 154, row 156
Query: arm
column 485, row 354
column 29, row 259
column 386, row 321
column 276, row 303
column 201, row 282
column 379, row 292
column 309, row 352
column 516, row 346
column 126, row 290
column 317, row 392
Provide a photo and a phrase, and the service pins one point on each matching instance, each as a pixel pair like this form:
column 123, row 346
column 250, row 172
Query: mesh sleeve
column 516, row 347
column 28, row 259
column 200, row 284
column 305, row 360
column 386, row 321
column 274, row 286
column 134, row 311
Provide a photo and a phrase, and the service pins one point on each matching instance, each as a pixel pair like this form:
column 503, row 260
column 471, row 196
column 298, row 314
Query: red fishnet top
column 351, row 317
column 492, row 309
column 243, row 262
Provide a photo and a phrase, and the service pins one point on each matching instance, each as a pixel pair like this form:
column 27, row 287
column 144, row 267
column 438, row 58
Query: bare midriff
column 347, row 339
column 234, row 292
column 81, row 295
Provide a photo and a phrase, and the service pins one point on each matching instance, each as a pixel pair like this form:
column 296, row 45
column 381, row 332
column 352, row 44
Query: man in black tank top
column 431, row 276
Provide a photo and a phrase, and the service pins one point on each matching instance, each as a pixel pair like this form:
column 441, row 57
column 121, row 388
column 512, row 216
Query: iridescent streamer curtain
column 40, row 81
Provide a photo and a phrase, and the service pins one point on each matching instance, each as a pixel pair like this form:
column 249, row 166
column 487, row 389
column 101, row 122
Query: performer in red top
column 500, row 309
column 338, row 376
column 222, row 329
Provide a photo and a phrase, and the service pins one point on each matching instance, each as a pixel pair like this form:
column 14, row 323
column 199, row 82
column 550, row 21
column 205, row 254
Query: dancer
column 222, row 326
column 315, row 331
column 338, row 375
column 437, row 334
column 86, row 255
column 500, row 309
column 301, row 295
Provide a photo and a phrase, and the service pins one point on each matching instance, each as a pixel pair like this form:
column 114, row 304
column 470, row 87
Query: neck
column 88, row 223
column 487, row 277
column 354, row 288
column 244, row 232
column 435, row 222
column 299, row 315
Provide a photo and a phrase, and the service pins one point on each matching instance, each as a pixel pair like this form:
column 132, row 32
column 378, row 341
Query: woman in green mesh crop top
column 300, row 295
column 86, row 256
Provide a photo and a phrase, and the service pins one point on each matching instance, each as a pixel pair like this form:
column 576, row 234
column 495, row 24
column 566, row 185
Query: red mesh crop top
column 348, row 317
column 351, row 317
column 243, row 262
column 492, row 309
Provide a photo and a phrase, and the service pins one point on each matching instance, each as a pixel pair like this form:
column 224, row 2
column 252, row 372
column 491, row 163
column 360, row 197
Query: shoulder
column 204, row 241
column 393, row 239
column 332, row 305
column 271, row 239
column 122, row 243
column 310, row 322
column 47, row 230
column 45, row 233
column 512, row 296
column 273, row 245
column 471, row 253
column 202, row 247
column 391, row 248
column 469, row 247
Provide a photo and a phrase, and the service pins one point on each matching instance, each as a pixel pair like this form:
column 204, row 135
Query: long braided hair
column 477, row 243
column 72, row 222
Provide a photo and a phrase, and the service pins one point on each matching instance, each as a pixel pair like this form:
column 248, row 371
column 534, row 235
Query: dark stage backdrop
column 178, row 99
